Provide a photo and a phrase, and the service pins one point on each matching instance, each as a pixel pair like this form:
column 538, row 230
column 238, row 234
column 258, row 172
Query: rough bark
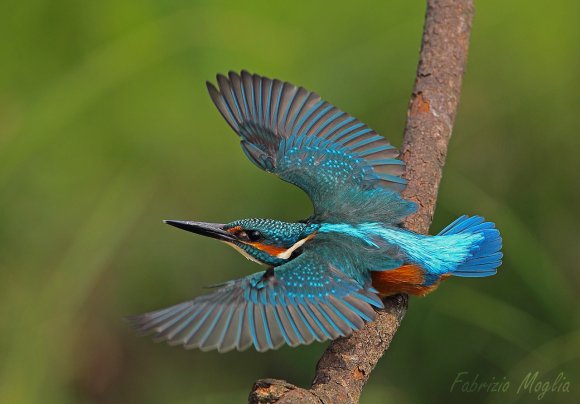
column 347, row 363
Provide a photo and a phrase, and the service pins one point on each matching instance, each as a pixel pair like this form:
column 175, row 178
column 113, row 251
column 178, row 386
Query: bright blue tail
column 485, row 254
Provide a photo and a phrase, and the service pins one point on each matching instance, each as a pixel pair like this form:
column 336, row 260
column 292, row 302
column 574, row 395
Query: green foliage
column 106, row 129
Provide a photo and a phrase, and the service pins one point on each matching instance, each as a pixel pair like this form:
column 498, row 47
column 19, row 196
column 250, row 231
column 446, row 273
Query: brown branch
column 347, row 363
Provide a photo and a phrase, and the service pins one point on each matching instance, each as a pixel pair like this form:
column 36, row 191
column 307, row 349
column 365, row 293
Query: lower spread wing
column 304, row 300
column 306, row 141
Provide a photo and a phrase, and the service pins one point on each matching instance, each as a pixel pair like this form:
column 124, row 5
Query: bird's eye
column 249, row 235
column 254, row 235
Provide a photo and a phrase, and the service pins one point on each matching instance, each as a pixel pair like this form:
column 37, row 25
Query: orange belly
column 405, row 279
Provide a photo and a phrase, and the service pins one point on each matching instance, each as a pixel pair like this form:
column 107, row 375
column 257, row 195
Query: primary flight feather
column 323, row 275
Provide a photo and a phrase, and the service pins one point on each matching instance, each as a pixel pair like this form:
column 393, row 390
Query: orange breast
column 405, row 279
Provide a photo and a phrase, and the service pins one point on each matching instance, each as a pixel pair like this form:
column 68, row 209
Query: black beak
column 212, row 230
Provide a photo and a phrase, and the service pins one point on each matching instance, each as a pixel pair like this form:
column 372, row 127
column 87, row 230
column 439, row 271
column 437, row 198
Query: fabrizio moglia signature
column 532, row 384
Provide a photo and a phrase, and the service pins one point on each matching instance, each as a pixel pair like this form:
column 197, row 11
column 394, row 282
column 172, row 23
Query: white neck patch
column 283, row 255
column 286, row 254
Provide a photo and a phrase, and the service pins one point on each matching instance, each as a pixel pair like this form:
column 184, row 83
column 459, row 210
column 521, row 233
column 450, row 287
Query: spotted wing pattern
column 305, row 300
column 292, row 132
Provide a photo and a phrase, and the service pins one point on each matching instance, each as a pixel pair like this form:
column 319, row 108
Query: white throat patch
column 244, row 253
column 286, row 254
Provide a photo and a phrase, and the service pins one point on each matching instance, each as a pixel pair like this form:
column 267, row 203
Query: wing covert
column 292, row 132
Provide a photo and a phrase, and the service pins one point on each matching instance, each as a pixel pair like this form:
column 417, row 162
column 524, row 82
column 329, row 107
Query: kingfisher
column 323, row 276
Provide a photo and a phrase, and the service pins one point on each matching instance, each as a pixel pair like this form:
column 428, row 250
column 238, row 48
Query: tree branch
column 347, row 363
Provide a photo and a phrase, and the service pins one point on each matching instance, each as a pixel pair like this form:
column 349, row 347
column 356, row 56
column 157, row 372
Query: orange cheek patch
column 270, row 249
column 405, row 279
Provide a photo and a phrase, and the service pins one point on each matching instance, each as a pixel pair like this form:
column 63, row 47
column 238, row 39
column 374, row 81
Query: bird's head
column 265, row 241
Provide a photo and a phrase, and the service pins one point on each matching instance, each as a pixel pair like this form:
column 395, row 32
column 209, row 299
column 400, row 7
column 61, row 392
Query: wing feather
column 306, row 299
column 292, row 132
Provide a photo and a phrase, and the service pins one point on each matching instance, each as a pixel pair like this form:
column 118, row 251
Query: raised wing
column 306, row 141
column 304, row 300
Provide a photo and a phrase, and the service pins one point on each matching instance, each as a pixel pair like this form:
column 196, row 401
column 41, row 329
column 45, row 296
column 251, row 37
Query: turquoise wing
column 293, row 133
column 305, row 300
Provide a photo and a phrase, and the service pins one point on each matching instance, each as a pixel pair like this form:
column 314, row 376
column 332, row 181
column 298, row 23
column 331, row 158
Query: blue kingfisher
column 324, row 275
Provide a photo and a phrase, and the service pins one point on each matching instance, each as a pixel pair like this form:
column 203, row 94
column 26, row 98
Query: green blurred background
column 106, row 129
